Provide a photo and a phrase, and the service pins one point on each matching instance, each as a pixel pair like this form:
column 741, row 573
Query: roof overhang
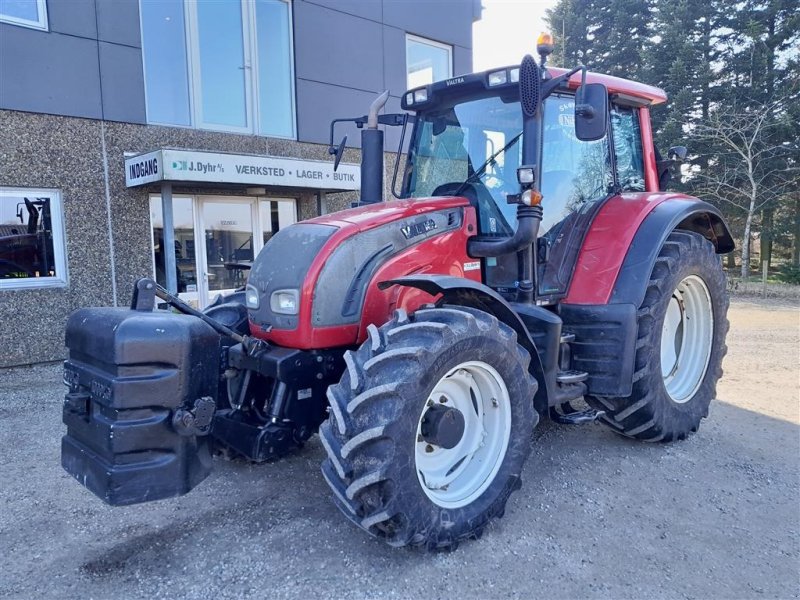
column 194, row 166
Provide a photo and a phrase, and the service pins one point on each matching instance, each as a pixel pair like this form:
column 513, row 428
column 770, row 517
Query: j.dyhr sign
column 213, row 167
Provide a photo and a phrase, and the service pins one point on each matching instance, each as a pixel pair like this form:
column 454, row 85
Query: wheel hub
column 462, row 434
column 442, row 426
column 686, row 338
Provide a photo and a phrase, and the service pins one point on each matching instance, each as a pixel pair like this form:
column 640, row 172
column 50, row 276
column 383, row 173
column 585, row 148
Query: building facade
column 113, row 110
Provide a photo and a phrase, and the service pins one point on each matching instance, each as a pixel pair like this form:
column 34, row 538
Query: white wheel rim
column 456, row 477
column 686, row 339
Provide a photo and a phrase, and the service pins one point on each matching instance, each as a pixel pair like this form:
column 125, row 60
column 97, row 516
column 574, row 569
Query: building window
column 31, row 239
column 28, row 13
column 224, row 66
column 427, row 61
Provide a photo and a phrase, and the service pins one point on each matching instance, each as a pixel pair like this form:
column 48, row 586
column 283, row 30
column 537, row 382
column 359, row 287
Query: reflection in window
column 628, row 148
column 275, row 77
column 31, row 238
column 275, row 215
column 183, row 218
column 222, row 64
column 427, row 61
column 164, row 55
column 574, row 173
column 28, row 13
column 219, row 65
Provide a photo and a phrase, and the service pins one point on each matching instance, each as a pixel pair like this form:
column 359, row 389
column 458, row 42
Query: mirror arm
column 581, row 108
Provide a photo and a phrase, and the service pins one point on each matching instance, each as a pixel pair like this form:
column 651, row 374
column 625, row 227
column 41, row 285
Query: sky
column 507, row 31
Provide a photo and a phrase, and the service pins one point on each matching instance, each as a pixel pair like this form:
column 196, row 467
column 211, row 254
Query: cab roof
column 648, row 94
column 621, row 90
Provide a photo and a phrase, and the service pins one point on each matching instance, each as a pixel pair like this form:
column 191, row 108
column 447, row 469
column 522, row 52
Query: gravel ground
column 716, row 516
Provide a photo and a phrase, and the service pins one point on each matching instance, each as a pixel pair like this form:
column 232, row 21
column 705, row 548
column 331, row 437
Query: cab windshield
column 453, row 141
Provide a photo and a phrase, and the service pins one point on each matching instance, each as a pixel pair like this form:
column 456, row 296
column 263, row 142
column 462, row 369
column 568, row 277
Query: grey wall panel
column 122, row 83
column 391, row 138
column 49, row 73
column 368, row 9
column 118, row 22
column 462, row 60
column 73, row 17
column 394, row 60
column 318, row 104
column 447, row 21
column 334, row 47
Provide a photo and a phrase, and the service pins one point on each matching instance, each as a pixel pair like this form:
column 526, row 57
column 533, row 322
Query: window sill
column 32, row 283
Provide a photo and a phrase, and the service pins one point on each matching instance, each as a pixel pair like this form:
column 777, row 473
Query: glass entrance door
column 216, row 240
column 234, row 230
column 230, row 244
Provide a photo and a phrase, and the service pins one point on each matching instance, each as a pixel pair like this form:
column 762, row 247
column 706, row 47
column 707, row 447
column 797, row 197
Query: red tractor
column 532, row 262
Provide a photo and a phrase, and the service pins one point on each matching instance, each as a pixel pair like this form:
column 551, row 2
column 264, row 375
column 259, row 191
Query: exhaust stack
column 372, row 154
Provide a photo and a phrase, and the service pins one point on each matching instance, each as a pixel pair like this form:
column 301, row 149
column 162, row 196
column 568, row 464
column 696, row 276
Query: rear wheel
column 682, row 324
column 430, row 426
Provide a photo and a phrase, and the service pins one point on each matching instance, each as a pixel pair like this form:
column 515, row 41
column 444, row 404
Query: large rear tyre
column 682, row 324
column 430, row 426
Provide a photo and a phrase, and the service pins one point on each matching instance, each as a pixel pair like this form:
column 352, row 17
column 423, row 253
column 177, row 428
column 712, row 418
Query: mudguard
column 611, row 279
column 621, row 247
column 465, row 292
column 687, row 214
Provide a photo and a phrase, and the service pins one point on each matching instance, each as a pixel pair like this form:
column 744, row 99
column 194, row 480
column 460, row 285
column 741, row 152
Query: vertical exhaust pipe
column 372, row 154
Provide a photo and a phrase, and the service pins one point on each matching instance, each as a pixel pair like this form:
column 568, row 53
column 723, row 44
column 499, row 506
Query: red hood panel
column 374, row 215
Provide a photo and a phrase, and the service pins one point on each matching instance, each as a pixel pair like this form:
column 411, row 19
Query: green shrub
column 789, row 274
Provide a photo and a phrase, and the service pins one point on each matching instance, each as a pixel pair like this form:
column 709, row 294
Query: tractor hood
column 315, row 274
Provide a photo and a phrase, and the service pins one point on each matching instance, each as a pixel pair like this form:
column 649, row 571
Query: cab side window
column 628, row 154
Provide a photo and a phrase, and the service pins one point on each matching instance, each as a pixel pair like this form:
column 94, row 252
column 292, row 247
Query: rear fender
column 625, row 238
column 465, row 292
column 611, row 281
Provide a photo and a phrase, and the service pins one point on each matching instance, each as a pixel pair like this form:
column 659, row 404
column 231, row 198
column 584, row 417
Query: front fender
column 465, row 292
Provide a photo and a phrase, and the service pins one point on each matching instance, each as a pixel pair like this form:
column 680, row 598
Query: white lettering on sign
column 219, row 167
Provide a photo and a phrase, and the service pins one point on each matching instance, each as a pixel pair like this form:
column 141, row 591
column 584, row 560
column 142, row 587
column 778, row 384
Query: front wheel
column 430, row 426
column 682, row 323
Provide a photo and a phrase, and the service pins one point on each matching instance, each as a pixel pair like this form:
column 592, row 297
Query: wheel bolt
column 428, row 448
column 495, row 403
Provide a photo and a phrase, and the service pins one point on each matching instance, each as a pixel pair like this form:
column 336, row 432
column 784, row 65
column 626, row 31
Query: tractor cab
column 468, row 141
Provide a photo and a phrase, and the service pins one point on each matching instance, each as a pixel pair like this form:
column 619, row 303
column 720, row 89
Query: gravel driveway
column 716, row 516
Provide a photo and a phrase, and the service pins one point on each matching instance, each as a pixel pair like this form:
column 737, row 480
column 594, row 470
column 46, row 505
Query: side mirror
column 337, row 153
column 677, row 153
column 591, row 112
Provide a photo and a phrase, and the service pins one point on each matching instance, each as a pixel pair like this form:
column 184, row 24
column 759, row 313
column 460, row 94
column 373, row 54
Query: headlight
column 410, row 98
column 497, row 78
column 526, row 175
column 285, row 302
column 421, row 96
column 251, row 299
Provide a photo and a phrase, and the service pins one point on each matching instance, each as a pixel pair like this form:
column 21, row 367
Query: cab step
column 571, row 416
column 571, row 377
